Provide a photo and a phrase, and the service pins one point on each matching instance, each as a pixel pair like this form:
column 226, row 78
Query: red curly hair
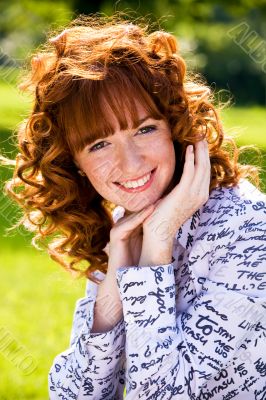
column 119, row 60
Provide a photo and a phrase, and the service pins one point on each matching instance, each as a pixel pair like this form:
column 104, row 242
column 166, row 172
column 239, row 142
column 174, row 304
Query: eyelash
column 150, row 128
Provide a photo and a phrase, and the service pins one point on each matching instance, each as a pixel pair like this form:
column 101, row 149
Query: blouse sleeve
column 170, row 354
column 92, row 367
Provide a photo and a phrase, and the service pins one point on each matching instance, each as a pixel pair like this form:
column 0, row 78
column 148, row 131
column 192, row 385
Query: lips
column 139, row 188
column 136, row 179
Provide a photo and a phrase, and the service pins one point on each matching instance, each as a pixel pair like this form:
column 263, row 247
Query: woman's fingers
column 193, row 187
column 202, row 158
column 201, row 180
column 188, row 170
column 123, row 229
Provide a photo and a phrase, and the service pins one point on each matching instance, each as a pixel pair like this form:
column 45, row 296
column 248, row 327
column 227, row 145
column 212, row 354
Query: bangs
column 86, row 112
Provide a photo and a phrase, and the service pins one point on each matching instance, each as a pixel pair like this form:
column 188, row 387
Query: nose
column 130, row 159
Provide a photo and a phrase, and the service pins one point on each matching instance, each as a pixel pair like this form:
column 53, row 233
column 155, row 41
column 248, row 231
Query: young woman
column 124, row 164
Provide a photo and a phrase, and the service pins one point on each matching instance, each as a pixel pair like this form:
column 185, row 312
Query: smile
column 138, row 185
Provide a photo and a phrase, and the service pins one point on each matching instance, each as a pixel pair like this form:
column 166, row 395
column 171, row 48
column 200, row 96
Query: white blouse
column 192, row 329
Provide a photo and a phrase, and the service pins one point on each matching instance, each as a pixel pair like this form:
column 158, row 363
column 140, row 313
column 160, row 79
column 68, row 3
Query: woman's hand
column 123, row 250
column 180, row 204
column 126, row 239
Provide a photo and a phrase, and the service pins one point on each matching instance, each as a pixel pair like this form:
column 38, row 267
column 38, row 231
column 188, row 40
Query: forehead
column 132, row 117
column 97, row 109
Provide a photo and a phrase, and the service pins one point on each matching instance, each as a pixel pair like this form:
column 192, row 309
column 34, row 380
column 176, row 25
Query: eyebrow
column 139, row 122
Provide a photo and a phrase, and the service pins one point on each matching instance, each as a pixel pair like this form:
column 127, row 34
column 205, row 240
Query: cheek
column 97, row 172
column 167, row 155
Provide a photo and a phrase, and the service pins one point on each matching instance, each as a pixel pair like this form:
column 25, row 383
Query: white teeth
column 139, row 182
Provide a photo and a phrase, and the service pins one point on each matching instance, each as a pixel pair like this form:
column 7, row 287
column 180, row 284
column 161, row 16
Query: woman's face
column 132, row 168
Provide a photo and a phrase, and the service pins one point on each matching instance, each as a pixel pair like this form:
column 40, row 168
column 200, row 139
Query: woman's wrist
column 156, row 253
column 118, row 256
column 108, row 308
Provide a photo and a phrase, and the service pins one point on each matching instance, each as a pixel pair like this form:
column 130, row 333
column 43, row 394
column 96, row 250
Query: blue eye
column 95, row 147
column 147, row 129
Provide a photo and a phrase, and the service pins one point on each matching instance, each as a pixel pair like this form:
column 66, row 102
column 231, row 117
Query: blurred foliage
column 224, row 41
column 23, row 24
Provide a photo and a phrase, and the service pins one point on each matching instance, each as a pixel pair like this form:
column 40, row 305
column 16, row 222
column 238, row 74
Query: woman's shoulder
column 228, row 213
column 244, row 192
column 243, row 199
column 231, row 211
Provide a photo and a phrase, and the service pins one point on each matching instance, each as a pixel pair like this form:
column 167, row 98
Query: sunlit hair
column 93, row 62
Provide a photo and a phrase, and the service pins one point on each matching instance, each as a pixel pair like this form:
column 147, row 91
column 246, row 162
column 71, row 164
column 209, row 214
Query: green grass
column 13, row 105
column 38, row 300
column 38, row 297
column 248, row 124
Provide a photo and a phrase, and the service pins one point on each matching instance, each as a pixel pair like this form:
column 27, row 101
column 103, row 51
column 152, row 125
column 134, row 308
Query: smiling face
column 132, row 167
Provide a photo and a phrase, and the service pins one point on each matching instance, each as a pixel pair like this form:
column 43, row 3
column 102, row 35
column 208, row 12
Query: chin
column 139, row 207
